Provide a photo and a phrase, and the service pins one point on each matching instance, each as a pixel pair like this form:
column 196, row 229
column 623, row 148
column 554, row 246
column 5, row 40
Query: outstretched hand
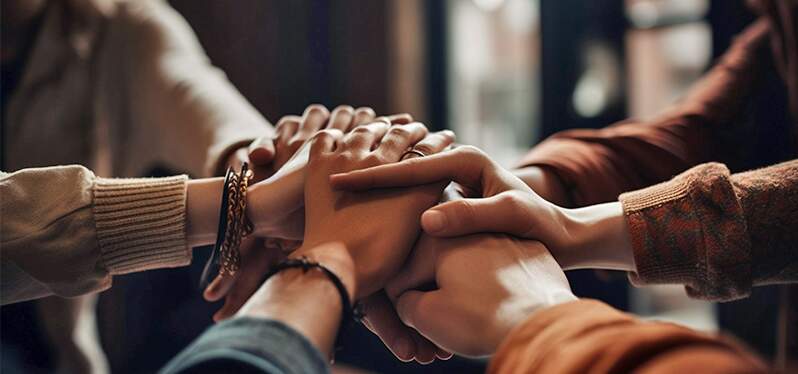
column 499, row 202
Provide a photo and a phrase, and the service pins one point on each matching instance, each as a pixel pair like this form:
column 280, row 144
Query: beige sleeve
column 167, row 104
column 65, row 232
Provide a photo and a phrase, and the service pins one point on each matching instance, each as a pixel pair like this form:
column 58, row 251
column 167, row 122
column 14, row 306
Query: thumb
column 504, row 213
column 261, row 151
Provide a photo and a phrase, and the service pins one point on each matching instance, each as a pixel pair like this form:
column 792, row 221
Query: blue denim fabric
column 249, row 345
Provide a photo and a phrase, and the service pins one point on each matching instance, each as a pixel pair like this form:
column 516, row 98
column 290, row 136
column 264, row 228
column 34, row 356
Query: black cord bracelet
column 349, row 313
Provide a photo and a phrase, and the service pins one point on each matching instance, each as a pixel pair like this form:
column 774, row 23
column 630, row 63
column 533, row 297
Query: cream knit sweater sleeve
column 66, row 232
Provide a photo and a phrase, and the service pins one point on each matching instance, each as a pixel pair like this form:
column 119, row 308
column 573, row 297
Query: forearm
column 599, row 239
column 203, row 200
column 307, row 301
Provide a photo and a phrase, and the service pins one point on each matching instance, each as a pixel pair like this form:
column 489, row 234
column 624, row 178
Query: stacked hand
column 279, row 163
column 491, row 281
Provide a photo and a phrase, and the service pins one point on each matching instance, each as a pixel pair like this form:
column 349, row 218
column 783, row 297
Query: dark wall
column 284, row 55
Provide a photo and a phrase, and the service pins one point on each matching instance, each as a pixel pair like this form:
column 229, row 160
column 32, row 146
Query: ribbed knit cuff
column 691, row 231
column 141, row 223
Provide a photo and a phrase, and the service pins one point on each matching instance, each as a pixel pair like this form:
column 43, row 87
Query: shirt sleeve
column 717, row 233
column 595, row 166
column 249, row 345
column 588, row 336
column 66, row 232
column 171, row 106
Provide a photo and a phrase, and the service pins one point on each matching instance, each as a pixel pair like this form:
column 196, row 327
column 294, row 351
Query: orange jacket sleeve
column 597, row 165
column 588, row 336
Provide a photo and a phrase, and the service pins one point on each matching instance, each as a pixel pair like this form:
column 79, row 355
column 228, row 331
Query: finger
column 382, row 320
column 287, row 127
column 341, row 118
column 218, row 288
column 261, row 151
column 324, row 141
column 363, row 139
column 399, row 138
column 396, row 119
column 425, row 349
column 363, row 116
column 314, row 119
column 435, row 142
column 505, row 213
column 463, row 165
column 419, row 269
column 443, row 354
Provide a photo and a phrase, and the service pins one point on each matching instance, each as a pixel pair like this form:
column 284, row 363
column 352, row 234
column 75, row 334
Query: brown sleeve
column 597, row 165
column 717, row 233
column 588, row 336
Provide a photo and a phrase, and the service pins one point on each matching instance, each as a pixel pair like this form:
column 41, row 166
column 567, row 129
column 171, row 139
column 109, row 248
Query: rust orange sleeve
column 588, row 336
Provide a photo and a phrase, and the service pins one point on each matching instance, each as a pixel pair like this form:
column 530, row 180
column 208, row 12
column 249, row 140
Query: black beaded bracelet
column 349, row 314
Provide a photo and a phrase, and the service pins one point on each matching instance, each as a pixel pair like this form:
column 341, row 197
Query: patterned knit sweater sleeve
column 716, row 233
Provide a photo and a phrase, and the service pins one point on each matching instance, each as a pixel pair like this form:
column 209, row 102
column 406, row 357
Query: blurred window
column 669, row 46
column 493, row 57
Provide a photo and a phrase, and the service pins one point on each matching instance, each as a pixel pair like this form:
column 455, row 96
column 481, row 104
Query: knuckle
column 365, row 111
column 286, row 120
column 362, row 130
column 424, row 148
column 467, row 211
column 509, row 200
column 375, row 158
column 315, row 108
column 344, row 108
column 472, row 154
column 400, row 131
column 319, row 136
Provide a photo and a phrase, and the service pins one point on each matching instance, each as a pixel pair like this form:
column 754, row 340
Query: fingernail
column 433, row 221
column 404, row 348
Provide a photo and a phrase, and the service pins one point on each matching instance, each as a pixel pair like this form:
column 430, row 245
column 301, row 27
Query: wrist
column 307, row 301
column 598, row 239
column 335, row 257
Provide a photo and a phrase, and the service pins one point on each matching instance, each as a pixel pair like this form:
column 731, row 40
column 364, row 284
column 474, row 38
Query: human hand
column 592, row 237
column 267, row 154
column 341, row 227
column 283, row 222
column 484, row 285
column 376, row 241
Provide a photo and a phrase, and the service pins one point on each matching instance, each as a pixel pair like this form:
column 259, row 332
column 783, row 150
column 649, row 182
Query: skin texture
column 342, row 232
column 279, row 163
column 499, row 202
column 477, row 280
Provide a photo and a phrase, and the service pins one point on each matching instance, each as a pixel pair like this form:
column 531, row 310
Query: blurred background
column 503, row 74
